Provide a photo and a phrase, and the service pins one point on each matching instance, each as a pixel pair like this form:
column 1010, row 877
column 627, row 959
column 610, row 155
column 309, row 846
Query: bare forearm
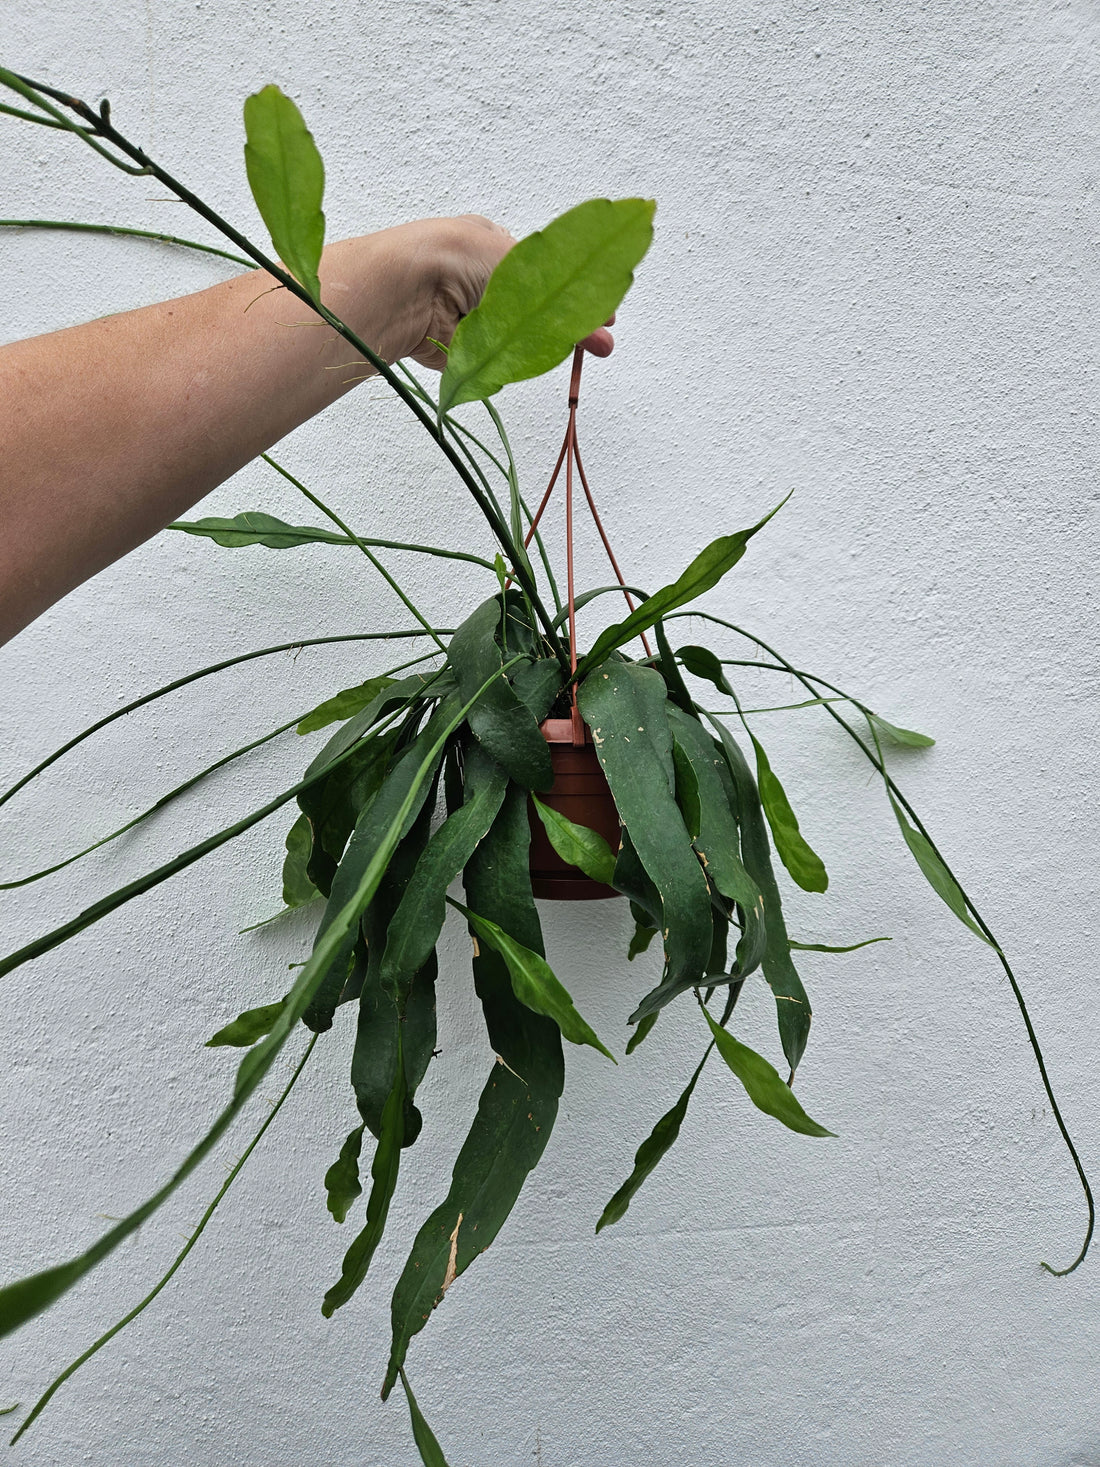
column 108, row 431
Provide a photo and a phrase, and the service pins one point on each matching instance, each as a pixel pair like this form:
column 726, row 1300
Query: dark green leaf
column 704, row 573
column 805, row 866
column 936, row 873
column 626, row 709
column 520, row 1100
column 431, row 1453
column 581, row 847
column 23, row 1299
column 503, row 724
column 534, row 982
column 642, row 1032
column 538, row 684
column 246, row 1028
column 701, row 662
column 253, row 527
column 687, row 790
column 632, row 881
column 639, row 943
column 791, row 1002
column 554, row 288
column 718, row 839
column 344, row 705
column 298, row 890
column 384, row 1171
column 342, row 1178
column 762, row 1082
column 287, row 179
column 904, row 736
column 821, row 947
column 656, row 1145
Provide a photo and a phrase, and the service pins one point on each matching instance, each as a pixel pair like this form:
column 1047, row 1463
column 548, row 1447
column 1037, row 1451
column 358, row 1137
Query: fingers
column 601, row 343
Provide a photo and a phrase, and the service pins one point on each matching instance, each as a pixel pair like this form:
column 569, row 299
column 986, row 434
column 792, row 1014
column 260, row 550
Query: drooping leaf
column 904, row 736
column 791, row 1001
column 642, row 1031
column 656, row 1145
column 718, row 839
column 631, row 879
column 344, row 705
column 551, row 290
column 431, row 1453
column 537, row 684
column 701, row 662
column 639, row 943
column 581, row 847
column 502, row 723
column 246, row 1028
column 415, row 926
column 298, row 890
column 384, row 1171
column 27, row 1297
column 254, row 527
column 762, row 1082
column 518, row 1106
column 687, row 790
column 822, row 947
column 936, row 873
column 333, row 804
column 342, row 1184
column 803, row 863
column 534, row 982
column 703, row 574
column 626, row 709
column 287, row 179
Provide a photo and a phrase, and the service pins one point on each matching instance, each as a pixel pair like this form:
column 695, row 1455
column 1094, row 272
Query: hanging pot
column 580, row 791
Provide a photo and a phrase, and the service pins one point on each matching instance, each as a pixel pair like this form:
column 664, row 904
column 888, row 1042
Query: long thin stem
column 875, row 758
column 331, row 514
column 101, row 127
column 76, row 228
column 105, row 1338
column 181, row 789
column 181, row 682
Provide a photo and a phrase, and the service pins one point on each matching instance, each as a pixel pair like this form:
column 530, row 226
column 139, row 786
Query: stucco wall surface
column 874, row 285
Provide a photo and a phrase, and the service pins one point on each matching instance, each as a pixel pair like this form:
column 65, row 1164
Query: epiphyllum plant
column 447, row 770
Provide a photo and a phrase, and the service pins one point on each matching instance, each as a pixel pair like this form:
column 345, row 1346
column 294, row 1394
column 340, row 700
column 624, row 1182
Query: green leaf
column 253, row 527
column 287, row 179
column 642, row 1032
column 581, row 847
column 384, row 1171
column 431, row 1453
column 821, row 947
column 342, row 1183
column 656, row 1145
column 762, row 1082
column 626, row 708
column 537, row 684
column 503, row 724
column 549, row 292
column 298, row 890
column 687, row 789
column 534, row 982
column 939, row 878
column 701, row 662
column 702, row 575
column 518, row 1105
column 904, row 736
column 718, row 838
column 805, row 866
column 415, row 926
column 246, row 1028
column 639, row 943
column 344, row 705
column 26, row 1297
column 791, row 1001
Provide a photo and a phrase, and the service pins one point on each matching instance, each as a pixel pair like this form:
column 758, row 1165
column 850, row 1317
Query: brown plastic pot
column 580, row 791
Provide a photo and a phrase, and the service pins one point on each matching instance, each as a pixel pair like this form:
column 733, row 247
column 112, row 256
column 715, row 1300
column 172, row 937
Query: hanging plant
column 507, row 756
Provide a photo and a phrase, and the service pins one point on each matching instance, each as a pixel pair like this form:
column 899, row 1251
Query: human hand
column 434, row 272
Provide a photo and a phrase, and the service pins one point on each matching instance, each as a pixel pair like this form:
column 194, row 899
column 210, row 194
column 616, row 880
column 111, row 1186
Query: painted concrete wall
column 874, row 284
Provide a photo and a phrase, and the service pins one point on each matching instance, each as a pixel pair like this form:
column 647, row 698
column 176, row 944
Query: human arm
column 110, row 430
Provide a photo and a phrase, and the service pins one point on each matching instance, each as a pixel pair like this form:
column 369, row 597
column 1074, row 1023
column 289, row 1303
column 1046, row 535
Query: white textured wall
column 874, row 282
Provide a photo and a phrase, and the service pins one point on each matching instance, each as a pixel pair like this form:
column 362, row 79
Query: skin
column 113, row 429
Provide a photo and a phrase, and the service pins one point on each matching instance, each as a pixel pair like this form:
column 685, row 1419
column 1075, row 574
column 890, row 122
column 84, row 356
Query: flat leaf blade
column 344, row 704
column 551, row 290
column 342, row 1184
column 253, row 527
column 762, row 1082
column 657, row 1144
column 287, row 179
column 935, row 872
column 805, row 866
column 581, row 847
column 431, row 1453
column 248, row 1027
